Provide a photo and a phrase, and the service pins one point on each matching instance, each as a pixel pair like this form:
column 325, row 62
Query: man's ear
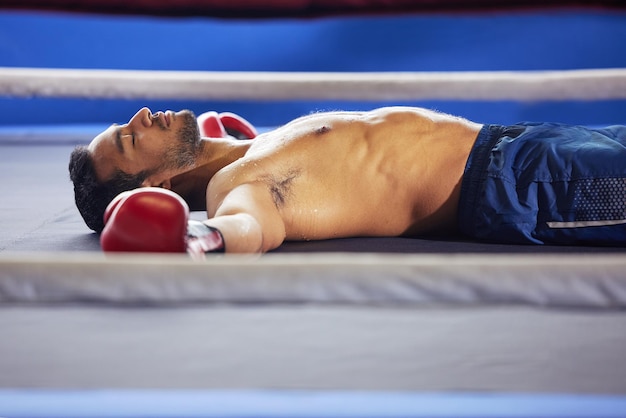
column 151, row 182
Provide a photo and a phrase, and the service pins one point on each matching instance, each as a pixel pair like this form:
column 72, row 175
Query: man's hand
column 221, row 125
column 152, row 219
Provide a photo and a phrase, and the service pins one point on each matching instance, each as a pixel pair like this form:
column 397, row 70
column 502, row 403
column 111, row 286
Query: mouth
column 164, row 119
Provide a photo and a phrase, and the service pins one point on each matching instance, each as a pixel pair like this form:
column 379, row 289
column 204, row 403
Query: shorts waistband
column 475, row 174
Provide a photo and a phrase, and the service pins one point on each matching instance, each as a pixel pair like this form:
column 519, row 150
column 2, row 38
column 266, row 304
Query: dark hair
column 92, row 196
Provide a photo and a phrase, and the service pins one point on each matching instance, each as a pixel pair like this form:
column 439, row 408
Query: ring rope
column 559, row 280
column 590, row 84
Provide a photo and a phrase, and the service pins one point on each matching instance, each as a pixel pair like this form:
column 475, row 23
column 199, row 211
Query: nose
column 142, row 118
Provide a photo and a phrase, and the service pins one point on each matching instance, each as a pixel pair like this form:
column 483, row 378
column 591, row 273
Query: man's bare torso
column 388, row 172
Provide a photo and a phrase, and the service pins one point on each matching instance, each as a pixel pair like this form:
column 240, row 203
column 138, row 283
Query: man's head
column 147, row 151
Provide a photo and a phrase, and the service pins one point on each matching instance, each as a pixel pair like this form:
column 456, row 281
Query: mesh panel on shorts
column 600, row 199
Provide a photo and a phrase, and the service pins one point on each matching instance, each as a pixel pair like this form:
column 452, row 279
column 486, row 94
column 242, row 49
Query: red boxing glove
column 211, row 126
column 237, row 126
column 221, row 125
column 145, row 220
column 152, row 219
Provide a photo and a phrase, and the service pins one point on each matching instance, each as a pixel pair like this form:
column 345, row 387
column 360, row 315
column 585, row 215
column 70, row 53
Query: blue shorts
column 546, row 183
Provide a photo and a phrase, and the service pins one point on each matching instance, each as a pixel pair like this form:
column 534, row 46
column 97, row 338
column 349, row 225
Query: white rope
column 572, row 280
column 593, row 84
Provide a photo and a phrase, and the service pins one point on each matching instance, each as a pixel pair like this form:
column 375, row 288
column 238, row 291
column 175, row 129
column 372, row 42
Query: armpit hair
column 280, row 187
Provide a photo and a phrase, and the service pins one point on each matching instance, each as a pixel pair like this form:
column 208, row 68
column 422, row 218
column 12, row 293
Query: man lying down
column 395, row 171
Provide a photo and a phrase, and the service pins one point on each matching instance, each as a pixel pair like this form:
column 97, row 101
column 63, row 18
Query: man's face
column 162, row 143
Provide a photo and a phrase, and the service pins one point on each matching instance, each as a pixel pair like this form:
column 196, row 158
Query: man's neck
column 215, row 154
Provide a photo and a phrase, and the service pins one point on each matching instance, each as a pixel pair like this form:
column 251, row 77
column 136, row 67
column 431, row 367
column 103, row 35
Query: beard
column 187, row 147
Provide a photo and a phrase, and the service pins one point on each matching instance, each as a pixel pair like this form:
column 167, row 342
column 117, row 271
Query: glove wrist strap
column 203, row 239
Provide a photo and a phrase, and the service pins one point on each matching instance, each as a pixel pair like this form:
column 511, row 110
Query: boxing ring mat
column 368, row 326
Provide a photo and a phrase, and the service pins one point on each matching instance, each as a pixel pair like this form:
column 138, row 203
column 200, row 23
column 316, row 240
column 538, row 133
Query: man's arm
column 152, row 219
column 248, row 220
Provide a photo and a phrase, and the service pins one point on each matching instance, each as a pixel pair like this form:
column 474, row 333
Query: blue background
column 531, row 40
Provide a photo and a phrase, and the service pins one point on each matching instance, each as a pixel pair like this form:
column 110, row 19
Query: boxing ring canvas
column 367, row 327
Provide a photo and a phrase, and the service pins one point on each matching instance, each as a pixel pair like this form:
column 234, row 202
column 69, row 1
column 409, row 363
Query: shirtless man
column 394, row 171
